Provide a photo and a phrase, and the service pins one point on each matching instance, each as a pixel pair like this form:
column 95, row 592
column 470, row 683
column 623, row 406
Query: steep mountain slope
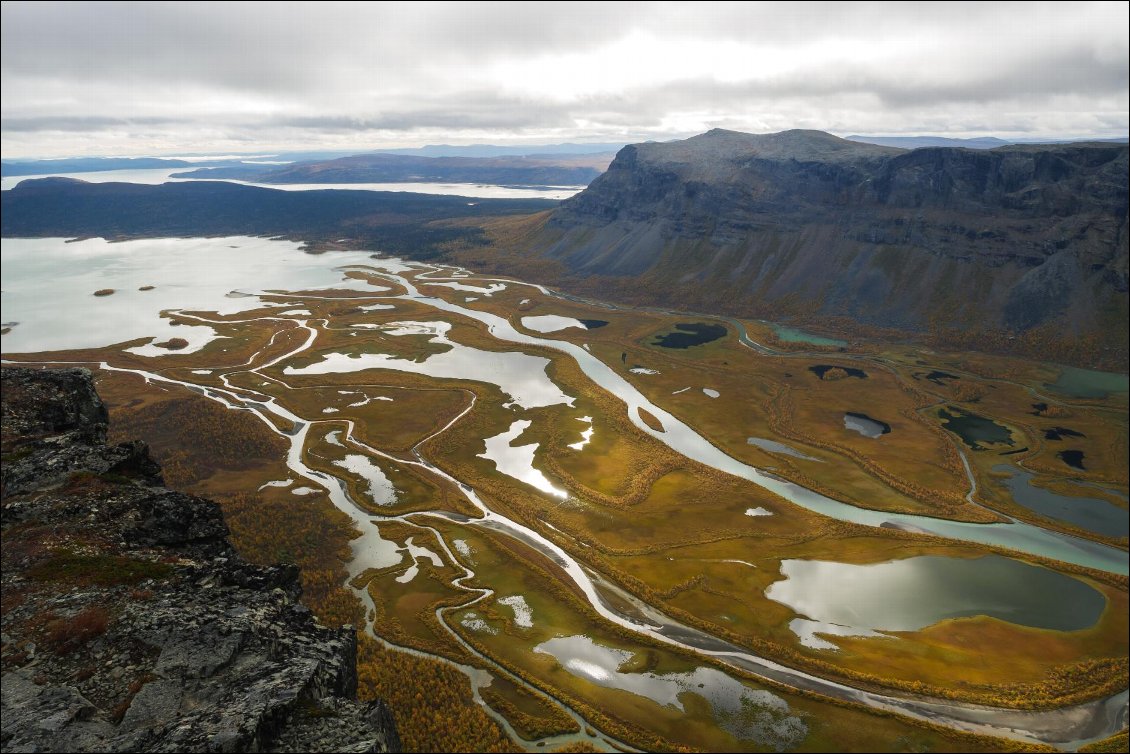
column 802, row 222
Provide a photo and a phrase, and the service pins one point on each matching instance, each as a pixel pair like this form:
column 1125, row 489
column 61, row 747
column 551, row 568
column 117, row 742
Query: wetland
column 697, row 552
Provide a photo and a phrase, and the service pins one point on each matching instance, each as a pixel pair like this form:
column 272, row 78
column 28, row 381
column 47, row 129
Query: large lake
column 154, row 176
column 48, row 285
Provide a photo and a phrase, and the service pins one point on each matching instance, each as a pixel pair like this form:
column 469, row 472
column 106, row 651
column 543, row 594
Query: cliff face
column 130, row 623
column 1013, row 237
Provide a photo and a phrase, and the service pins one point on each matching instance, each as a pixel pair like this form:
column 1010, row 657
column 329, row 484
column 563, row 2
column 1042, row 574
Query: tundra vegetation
column 664, row 529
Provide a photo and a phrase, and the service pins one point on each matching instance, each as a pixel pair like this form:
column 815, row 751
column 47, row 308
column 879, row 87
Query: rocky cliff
column 804, row 222
column 130, row 623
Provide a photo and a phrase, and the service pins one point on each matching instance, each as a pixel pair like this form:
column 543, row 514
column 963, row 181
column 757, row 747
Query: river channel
column 1065, row 727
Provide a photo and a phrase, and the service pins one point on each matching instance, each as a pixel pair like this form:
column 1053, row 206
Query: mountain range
column 805, row 223
column 529, row 170
column 400, row 222
column 800, row 225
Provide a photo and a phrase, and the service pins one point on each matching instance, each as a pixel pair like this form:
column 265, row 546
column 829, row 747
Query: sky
column 177, row 78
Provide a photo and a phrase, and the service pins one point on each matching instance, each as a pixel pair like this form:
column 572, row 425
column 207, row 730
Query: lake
column 686, row 335
column 1089, row 383
column 154, row 176
column 865, row 425
column 793, row 335
column 912, row 593
column 1091, row 513
column 974, row 429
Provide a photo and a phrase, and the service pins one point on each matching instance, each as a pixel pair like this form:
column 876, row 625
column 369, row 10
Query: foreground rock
column 129, row 622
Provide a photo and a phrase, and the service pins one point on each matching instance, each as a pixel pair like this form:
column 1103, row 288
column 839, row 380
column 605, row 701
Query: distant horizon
column 520, row 143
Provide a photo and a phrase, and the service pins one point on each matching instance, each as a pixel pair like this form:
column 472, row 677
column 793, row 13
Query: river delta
column 643, row 529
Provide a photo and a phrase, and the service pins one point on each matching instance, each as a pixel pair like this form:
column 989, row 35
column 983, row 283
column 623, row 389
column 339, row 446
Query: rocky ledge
column 129, row 621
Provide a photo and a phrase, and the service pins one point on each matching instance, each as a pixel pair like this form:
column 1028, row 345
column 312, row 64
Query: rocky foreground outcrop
column 130, row 623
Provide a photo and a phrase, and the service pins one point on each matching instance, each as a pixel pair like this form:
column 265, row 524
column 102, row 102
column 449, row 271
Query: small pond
column 1058, row 433
column 551, row 323
column 746, row 714
column 1073, row 458
column 793, row 335
column 865, row 425
column 1089, row 383
column 1090, row 513
column 912, row 593
column 974, row 429
column 938, row 378
column 779, row 447
column 690, row 334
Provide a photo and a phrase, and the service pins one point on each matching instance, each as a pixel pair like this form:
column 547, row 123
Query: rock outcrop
column 130, row 623
column 802, row 222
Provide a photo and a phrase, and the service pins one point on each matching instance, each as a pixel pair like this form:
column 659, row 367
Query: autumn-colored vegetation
column 193, row 437
column 64, row 635
column 316, row 537
column 435, row 711
column 669, row 531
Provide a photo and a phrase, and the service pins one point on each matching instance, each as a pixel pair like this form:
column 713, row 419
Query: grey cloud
column 81, row 123
column 206, row 73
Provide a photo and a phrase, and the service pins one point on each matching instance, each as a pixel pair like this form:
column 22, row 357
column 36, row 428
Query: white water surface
column 48, row 287
column 517, row 462
column 380, row 489
column 523, row 615
column 519, row 375
column 586, row 435
column 551, row 323
column 155, row 176
column 745, row 713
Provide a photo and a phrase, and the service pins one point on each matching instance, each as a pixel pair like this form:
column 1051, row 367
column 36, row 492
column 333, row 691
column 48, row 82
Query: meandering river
column 208, row 290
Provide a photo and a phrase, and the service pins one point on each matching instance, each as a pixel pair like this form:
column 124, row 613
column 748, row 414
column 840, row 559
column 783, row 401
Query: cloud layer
column 139, row 78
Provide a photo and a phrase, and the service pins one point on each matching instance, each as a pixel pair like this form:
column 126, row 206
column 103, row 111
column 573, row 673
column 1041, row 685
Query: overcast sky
column 155, row 78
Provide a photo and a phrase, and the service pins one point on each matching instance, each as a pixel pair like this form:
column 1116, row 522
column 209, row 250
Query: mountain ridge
column 1017, row 237
column 526, row 170
column 393, row 221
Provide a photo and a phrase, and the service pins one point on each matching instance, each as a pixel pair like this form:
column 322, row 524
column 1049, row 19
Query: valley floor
column 590, row 527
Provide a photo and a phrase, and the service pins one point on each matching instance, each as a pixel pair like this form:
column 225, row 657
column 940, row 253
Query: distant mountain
column 546, row 170
column 86, row 165
column 389, row 221
column 984, row 142
column 805, row 223
column 494, row 150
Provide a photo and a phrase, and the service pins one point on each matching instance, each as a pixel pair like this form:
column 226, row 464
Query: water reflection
column 912, row 593
column 517, row 462
column 551, row 323
column 1093, row 514
column 380, row 489
column 519, row 375
column 746, row 714
column 865, row 425
column 779, row 447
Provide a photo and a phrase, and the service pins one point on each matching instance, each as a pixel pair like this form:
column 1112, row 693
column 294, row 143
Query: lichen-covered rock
column 130, row 623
